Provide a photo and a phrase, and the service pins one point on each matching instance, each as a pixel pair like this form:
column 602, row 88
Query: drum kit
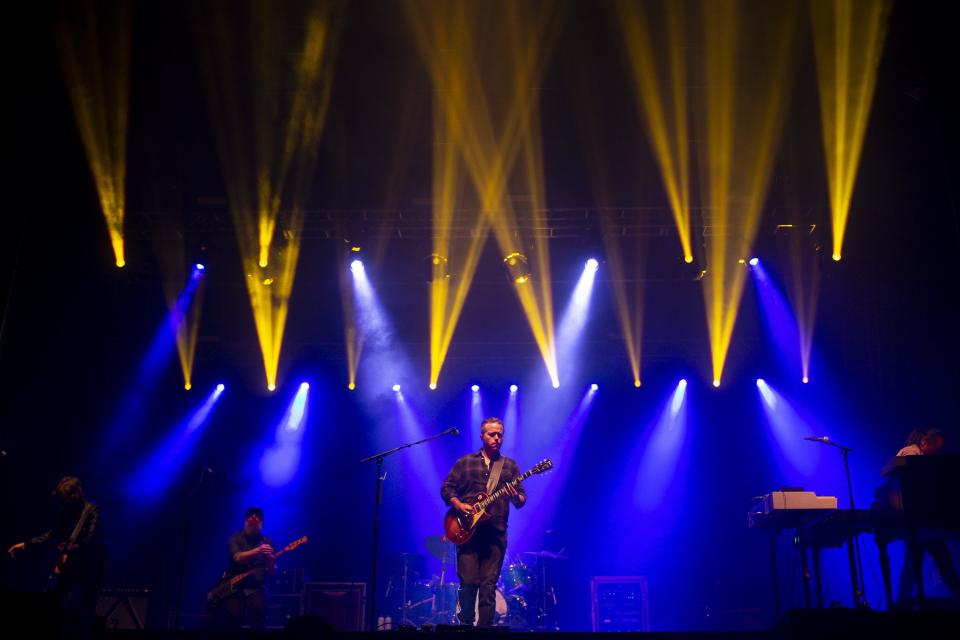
column 524, row 597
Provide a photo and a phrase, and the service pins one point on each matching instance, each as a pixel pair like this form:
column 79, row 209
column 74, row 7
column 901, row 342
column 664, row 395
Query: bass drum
column 499, row 611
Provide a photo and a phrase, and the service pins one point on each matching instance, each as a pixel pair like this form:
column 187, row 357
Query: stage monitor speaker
column 123, row 608
column 620, row 603
column 339, row 603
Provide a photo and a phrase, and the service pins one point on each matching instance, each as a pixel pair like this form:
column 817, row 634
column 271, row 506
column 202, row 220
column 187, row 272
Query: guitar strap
column 81, row 522
column 494, row 478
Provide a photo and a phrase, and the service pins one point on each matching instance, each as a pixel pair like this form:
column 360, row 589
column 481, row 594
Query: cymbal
column 545, row 554
column 439, row 547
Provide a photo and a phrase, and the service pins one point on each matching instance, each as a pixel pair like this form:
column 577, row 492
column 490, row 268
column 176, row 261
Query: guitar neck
column 499, row 492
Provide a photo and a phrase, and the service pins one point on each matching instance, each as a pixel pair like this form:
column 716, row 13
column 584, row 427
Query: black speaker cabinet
column 123, row 608
column 339, row 603
column 620, row 603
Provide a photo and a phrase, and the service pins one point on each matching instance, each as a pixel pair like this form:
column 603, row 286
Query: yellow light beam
column 267, row 138
column 746, row 56
column 489, row 129
column 848, row 39
column 94, row 47
column 661, row 87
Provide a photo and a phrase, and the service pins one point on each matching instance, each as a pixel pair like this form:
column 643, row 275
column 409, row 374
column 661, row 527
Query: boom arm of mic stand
column 376, row 518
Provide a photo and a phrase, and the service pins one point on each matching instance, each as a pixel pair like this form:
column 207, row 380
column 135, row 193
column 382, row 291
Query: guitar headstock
column 543, row 466
column 296, row 543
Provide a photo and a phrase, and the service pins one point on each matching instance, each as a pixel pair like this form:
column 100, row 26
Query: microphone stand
column 183, row 545
column 859, row 600
column 378, row 498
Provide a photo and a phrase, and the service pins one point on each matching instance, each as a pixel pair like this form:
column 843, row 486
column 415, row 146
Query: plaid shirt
column 469, row 476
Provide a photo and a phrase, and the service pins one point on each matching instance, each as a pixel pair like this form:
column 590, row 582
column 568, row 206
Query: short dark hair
column 253, row 511
column 491, row 420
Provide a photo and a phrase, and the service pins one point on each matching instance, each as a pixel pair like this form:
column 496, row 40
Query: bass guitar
column 459, row 527
column 230, row 585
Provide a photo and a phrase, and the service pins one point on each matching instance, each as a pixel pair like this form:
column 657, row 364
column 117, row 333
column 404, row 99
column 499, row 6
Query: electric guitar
column 229, row 585
column 459, row 527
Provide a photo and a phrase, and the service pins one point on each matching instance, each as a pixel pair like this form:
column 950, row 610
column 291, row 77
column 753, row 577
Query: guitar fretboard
column 483, row 504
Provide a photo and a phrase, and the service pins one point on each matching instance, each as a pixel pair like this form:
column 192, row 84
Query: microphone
column 823, row 439
column 452, row 431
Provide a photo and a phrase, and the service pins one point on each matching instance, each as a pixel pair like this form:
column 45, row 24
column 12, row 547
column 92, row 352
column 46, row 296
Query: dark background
column 76, row 328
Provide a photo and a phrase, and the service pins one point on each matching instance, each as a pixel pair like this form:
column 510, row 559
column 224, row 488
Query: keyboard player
column 926, row 442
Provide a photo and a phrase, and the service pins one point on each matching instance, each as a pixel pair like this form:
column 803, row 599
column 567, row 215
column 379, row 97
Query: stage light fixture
column 351, row 386
column 806, row 379
column 396, row 387
column 518, row 269
column 716, row 382
column 636, row 383
column 836, row 257
column 594, row 387
column 760, row 382
column 683, row 382
column 513, row 388
column 592, row 265
column 199, row 266
column 433, row 386
column 304, row 386
column 556, row 384
column 356, row 266
column 271, row 387
column 754, row 262
column 187, row 386
column 475, row 388
column 221, row 387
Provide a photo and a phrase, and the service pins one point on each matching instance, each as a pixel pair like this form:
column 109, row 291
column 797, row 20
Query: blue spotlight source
column 556, row 385
column 781, row 324
column 221, row 387
column 661, row 453
column 396, row 387
column 594, row 386
column 787, row 430
column 199, row 266
column 570, row 331
column 159, row 470
column 475, row 388
column 304, row 386
column 280, row 461
column 754, row 262
column 356, row 267
column 513, row 388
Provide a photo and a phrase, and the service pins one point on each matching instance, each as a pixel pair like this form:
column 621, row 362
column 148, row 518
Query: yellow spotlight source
column 271, row 387
column 716, row 382
column 806, row 379
column 836, row 257
column 351, row 386
column 636, row 383
column 433, row 385
column 121, row 263
column 187, row 386
column 688, row 258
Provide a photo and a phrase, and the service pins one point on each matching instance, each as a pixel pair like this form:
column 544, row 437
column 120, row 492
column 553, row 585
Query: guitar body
column 53, row 580
column 460, row 527
column 228, row 586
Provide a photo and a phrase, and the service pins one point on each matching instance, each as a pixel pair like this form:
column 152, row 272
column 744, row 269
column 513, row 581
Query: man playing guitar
column 248, row 549
column 480, row 559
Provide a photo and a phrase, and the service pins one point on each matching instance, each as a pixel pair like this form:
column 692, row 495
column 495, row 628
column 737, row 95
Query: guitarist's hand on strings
column 265, row 550
column 462, row 507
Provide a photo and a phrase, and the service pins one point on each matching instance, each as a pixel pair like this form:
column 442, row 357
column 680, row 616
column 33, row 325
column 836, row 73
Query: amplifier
column 123, row 608
column 341, row 604
column 285, row 581
column 281, row 609
column 620, row 603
